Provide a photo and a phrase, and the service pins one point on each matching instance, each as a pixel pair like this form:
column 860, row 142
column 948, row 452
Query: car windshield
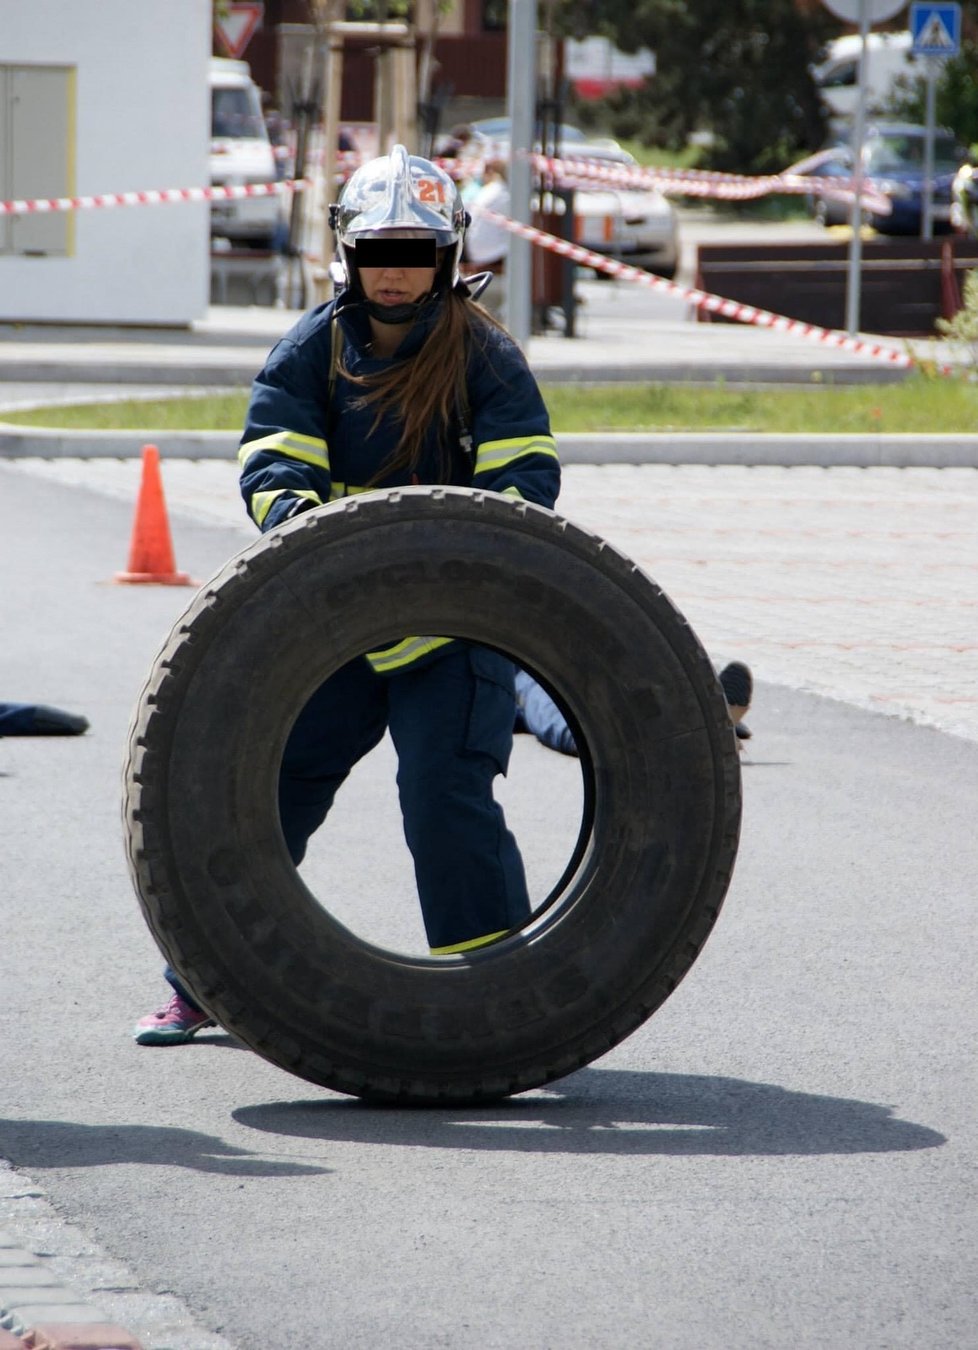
column 236, row 115
column 900, row 153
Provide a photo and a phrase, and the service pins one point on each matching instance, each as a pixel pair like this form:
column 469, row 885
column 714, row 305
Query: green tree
column 956, row 95
column 735, row 69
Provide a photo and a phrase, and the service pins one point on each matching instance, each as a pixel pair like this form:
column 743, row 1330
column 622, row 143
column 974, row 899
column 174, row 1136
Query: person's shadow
column 34, row 1144
column 618, row 1112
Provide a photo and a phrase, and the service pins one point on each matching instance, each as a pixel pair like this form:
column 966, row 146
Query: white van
column 889, row 56
column 241, row 152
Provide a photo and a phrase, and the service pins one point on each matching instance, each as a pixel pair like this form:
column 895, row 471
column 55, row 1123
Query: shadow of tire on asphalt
column 611, row 1111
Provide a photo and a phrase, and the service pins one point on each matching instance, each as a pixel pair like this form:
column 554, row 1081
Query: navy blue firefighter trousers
column 451, row 722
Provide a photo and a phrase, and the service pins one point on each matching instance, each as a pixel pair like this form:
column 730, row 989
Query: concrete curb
column 727, row 447
column 233, row 370
column 60, row 1291
column 227, row 371
column 39, row 1312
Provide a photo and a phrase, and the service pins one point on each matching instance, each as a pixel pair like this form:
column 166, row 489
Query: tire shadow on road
column 615, row 1111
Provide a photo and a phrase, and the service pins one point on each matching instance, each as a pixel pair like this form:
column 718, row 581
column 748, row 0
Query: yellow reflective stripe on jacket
column 469, row 946
column 404, row 652
column 309, row 449
column 494, row 455
column 261, row 502
column 514, row 492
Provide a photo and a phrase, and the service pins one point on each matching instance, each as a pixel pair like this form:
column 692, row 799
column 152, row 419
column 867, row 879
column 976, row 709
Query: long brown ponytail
column 429, row 388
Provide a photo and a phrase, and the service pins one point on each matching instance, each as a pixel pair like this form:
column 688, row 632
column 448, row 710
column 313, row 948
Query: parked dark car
column 893, row 164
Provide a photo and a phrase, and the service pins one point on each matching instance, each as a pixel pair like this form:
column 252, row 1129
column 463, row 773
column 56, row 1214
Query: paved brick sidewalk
column 857, row 584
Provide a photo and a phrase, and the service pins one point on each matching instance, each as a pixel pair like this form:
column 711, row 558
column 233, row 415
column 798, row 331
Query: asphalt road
column 782, row 1156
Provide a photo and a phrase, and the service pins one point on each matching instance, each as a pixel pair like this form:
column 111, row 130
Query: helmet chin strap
column 396, row 313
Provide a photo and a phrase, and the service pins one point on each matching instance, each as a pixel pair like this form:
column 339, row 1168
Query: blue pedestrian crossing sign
column 936, row 29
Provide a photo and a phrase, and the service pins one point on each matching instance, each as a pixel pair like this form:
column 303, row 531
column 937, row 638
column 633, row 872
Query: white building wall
column 142, row 121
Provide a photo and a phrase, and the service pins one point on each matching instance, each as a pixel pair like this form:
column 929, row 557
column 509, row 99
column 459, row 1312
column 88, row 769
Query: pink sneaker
column 173, row 1025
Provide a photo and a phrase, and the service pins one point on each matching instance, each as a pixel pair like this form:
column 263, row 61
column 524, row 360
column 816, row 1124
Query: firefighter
column 403, row 378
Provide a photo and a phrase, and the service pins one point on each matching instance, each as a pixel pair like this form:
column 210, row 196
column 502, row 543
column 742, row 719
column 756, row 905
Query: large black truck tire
column 231, row 913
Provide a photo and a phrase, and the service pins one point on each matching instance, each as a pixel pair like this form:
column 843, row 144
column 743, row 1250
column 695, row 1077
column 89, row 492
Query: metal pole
column 331, row 126
column 303, row 110
column 520, row 103
column 856, row 213
column 927, row 219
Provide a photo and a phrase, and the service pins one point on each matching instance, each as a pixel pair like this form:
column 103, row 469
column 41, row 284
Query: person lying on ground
column 538, row 715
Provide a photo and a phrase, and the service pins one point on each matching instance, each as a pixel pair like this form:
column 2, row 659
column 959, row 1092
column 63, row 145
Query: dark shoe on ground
column 36, row 719
column 738, row 688
column 56, row 722
column 175, row 1024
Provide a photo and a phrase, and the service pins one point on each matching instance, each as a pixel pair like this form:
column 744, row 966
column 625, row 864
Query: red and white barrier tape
column 699, row 183
column 159, row 197
column 575, row 172
column 578, row 173
column 812, row 161
column 713, row 304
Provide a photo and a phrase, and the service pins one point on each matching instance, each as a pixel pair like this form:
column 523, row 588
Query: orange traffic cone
column 151, row 549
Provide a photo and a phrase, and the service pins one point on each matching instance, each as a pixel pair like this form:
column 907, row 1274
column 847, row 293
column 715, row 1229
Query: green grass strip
column 917, row 403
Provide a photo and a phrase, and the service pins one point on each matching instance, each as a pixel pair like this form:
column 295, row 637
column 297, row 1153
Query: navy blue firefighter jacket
column 306, row 442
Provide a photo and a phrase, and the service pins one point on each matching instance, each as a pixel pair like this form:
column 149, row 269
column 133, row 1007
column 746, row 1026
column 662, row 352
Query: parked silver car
column 635, row 225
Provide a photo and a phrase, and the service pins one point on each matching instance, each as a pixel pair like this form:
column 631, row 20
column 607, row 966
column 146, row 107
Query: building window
column 494, row 16
column 37, row 154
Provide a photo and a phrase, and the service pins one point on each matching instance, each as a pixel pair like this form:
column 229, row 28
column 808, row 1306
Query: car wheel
column 635, row 904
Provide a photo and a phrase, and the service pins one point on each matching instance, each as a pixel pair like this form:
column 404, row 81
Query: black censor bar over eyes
column 395, row 252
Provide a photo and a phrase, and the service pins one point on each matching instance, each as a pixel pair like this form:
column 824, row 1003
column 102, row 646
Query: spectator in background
column 456, row 143
column 964, row 196
column 280, row 134
column 486, row 242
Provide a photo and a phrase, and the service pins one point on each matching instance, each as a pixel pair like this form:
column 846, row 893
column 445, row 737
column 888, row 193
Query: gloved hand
column 298, row 506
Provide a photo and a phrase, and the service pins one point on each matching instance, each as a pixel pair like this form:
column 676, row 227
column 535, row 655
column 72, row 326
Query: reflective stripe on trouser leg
column 343, row 720
column 452, row 725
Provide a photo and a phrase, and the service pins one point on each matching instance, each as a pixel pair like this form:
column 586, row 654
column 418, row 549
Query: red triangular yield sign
column 236, row 25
